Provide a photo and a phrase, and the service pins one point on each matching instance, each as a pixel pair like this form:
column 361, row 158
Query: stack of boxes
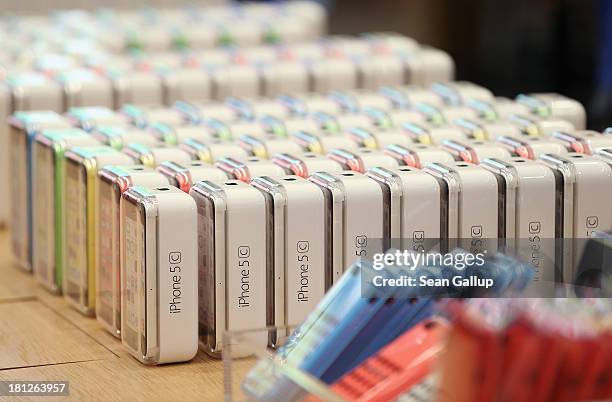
column 182, row 194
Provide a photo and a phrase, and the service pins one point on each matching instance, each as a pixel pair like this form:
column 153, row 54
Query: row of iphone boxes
column 425, row 108
column 63, row 91
column 267, row 149
column 426, row 115
column 318, row 123
column 75, row 54
column 338, row 47
column 58, row 82
column 479, row 113
column 158, row 30
column 234, row 131
column 103, row 237
column 264, row 253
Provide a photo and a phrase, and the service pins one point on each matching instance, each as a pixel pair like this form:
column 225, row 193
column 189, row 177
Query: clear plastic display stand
column 243, row 350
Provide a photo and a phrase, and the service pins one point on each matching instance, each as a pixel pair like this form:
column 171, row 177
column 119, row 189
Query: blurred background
column 509, row 46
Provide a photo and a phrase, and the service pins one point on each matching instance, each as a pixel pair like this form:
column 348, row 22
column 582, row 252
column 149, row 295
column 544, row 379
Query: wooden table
column 42, row 338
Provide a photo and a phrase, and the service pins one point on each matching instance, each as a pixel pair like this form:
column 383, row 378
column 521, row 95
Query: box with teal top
column 119, row 137
column 23, row 127
column 47, row 181
column 145, row 116
column 90, row 117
